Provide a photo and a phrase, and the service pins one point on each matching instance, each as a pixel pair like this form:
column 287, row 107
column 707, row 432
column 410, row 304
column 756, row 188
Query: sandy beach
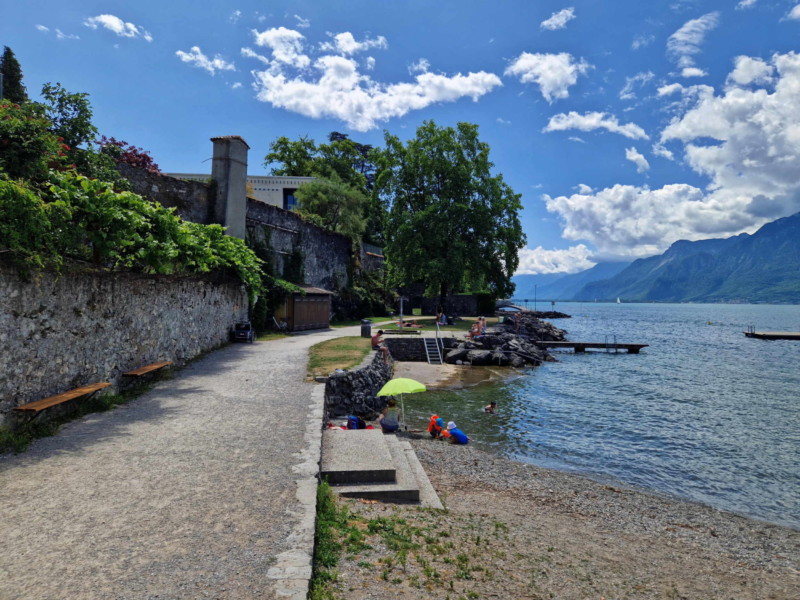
column 513, row 530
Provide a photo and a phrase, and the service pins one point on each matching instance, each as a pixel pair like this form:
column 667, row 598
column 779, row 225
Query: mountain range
column 762, row 267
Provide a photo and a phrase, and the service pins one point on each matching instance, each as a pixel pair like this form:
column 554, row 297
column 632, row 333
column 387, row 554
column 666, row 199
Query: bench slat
column 40, row 405
column 147, row 369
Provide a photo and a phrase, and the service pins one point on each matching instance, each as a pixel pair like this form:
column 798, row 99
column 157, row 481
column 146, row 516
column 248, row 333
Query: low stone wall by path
column 62, row 331
column 353, row 392
column 412, row 349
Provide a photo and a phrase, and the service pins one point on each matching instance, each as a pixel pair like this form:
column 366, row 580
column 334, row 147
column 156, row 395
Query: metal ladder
column 432, row 351
column 611, row 343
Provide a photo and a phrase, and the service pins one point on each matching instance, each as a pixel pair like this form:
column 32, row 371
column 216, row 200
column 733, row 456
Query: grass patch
column 270, row 335
column 339, row 353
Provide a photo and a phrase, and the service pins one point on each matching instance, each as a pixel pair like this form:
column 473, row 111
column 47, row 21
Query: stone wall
column 326, row 255
column 59, row 332
column 412, row 349
column 192, row 200
column 353, row 392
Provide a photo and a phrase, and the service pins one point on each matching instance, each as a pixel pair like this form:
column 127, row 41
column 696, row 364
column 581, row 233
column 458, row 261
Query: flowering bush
column 122, row 152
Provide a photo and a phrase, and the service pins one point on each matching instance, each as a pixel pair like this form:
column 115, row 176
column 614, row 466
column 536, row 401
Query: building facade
column 270, row 189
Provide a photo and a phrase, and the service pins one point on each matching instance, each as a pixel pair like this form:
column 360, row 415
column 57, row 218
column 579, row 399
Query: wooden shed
column 308, row 310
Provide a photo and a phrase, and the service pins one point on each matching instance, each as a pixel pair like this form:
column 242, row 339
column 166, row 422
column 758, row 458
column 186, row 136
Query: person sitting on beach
column 390, row 417
column 456, row 435
column 435, row 426
column 474, row 331
column 482, row 321
column 490, row 408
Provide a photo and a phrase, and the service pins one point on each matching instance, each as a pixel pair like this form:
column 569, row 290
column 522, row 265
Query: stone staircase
column 366, row 463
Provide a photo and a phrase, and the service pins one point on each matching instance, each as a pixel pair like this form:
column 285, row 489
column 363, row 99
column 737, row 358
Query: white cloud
column 553, row 73
column 633, row 155
column 692, row 72
column 749, row 71
column 250, row 53
column 668, row 90
column 42, row 28
column 60, row 35
column 345, row 43
column 502, row 121
column 558, row 20
column 235, row 16
column 794, row 14
column 594, row 120
column 751, row 166
column 117, row 26
column 302, row 23
column 196, row 57
column 575, row 138
column 642, row 41
column 686, row 41
column 286, row 46
column 583, row 188
column 539, row 260
column 236, row 85
column 638, row 80
column 341, row 92
column 421, row 66
column 369, row 63
column 745, row 4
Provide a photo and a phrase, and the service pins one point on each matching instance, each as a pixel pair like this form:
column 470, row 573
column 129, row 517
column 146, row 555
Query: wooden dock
column 583, row 346
column 773, row 335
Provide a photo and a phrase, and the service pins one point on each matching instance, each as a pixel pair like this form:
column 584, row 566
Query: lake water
column 703, row 413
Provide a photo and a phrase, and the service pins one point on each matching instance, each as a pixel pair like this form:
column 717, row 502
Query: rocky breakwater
column 511, row 344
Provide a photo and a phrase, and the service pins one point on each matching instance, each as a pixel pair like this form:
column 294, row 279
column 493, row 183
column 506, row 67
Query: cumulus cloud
column 633, row 155
column 196, row 57
column 569, row 260
column 631, row 83
column 685, row 43
column 692, row 72
column 745, row 4
column 558, row 20
column 302, row 23
column 751, row 164
column 345, row 43
column 553, row 73
column 331, row 86
column 369, row 63
column 749, row 71
column 117, row 26
column 794, row 14
column 421, row 66
column 591, row 121
column 286, row 46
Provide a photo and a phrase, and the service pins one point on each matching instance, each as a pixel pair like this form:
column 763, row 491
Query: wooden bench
column 39, row 405
column 147, row 369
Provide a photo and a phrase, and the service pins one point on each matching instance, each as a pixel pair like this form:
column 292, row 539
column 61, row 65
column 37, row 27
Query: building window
column 289, row 200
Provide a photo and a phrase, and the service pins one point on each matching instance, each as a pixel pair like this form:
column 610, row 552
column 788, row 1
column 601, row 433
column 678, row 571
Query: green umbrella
column 400, row 386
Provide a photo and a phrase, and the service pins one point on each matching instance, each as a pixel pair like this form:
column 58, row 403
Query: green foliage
column 339, row 206
column 13, row 90
column 452, row 225
column 70, row 115
column 27, row 147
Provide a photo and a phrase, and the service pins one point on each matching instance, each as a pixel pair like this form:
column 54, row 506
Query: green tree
column 70, row 114
column 28, row 149
column 13, row 89
column 452, row 224
column 339, row 206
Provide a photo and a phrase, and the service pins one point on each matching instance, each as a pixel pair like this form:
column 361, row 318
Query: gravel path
column 189, row 491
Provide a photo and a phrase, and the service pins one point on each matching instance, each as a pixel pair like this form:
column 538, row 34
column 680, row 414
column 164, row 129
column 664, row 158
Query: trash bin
column 366, row 328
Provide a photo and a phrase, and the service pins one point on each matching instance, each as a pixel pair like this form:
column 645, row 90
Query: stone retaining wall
column 192, row 200
column 353, row 392
column 410, row 349
column 58, row 332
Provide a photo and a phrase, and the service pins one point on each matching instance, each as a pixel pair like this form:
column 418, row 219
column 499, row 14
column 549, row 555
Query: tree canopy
column 13, row 89
column 452, row 225
column 339, row 207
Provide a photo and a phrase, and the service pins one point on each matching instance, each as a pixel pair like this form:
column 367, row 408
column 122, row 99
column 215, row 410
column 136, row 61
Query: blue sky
column 625, row 125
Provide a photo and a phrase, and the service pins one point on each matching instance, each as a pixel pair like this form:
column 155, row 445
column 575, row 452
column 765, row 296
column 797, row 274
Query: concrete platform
column 356, row 456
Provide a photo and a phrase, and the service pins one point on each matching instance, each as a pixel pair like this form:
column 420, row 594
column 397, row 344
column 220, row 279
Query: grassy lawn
column 340, row 353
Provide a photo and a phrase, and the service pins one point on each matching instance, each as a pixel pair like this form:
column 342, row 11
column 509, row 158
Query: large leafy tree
column 453, row 224
column 12, row 77
column 339, row 207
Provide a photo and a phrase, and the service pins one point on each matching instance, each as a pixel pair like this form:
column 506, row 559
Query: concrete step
column 428, row 498
column 356, row 456
column 403, row 489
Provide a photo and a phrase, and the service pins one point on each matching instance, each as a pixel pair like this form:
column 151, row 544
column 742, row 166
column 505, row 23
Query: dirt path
column 189, row 491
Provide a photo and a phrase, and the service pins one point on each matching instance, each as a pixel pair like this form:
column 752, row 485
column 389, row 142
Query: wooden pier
column 583, row 346
column 773, row 335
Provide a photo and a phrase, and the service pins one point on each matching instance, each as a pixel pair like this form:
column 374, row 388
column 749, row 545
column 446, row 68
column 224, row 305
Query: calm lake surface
column 703, row 413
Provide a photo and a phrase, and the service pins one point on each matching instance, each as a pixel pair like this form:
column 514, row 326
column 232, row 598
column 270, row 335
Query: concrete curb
column 291, row 573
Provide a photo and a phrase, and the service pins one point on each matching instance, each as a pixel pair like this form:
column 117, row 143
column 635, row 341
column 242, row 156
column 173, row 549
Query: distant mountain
column 763, row 267
column 561, row 286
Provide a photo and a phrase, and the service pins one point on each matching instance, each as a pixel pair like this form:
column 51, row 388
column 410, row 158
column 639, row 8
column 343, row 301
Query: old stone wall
column 410, row 349
column 58, row 332
column 192, row 200
column 326, row 255
column 353, row 392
